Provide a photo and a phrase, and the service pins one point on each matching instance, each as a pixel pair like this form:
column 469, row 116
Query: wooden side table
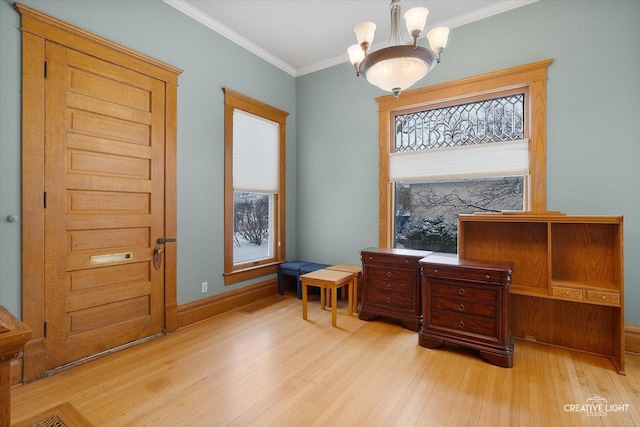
column 13, row 335
column 328, row 279
column 351, row 268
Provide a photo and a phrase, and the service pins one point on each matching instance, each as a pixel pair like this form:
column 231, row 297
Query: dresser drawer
column 391, row 286
column 390, row 259
column 466, row 291
column 463, row 323
column 570, row 294
column 463, row 306
column 384, row 272
column 476, row 274
column 605, row 298
column 391, row 301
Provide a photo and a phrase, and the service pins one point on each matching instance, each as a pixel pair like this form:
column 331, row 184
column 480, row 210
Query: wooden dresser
column 391, row 285
column 567, row 285
column 467, row 303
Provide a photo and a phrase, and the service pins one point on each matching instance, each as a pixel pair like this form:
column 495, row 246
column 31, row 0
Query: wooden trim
column 253, row 106
column 228, row 188
column 16, row 370
column 33, row 97
column 538, row 145
column 385, row 231
column 171, row 205
column 205, row 308
column 69, row 35
column 250, row 273
column 532, row 76
column 632, row 338
column 507, row 78
column 37, row 29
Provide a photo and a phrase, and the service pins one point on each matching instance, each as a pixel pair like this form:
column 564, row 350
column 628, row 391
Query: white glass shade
column 438, row 38
column 356, row 54
column 364, row 32
column 416, row 18
column 397, row 74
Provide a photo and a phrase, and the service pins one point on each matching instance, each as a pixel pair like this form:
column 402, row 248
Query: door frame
column 37, row 28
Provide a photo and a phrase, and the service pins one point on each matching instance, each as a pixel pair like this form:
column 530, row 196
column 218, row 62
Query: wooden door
column 104, row 184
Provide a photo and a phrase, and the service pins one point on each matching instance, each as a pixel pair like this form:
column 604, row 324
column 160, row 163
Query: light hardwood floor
column 263, row 365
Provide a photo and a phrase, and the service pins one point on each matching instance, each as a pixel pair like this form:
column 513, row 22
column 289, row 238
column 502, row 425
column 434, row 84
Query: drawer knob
column 388, row 285
column 487, row 277
column 461, row 307
column 388, row 300
column 435, row 270
column 566, row 293
column 461, row 323
column 461, row 291
column 388, row 274
column 603, row 297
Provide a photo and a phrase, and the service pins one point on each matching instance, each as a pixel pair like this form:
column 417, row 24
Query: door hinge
column 45, row 329
column 45, row 200
column 45, row 69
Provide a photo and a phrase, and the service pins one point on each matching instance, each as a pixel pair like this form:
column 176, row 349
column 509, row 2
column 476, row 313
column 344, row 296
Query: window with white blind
column 254, row 187
column 467, row 146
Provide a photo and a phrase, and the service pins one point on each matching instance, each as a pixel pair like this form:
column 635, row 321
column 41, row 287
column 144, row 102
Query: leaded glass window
column 481, row 122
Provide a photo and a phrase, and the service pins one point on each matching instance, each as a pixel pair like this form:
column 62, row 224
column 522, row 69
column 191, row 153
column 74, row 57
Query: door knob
column 157, row 257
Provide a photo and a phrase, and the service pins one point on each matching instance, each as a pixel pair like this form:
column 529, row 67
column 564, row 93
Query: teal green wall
column 210, row 62
column 593, row 156
column 10, row 232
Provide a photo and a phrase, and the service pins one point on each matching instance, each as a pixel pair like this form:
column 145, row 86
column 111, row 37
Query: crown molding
column 226, row 32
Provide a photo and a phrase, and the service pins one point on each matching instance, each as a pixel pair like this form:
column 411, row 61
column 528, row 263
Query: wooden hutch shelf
column 567, row 287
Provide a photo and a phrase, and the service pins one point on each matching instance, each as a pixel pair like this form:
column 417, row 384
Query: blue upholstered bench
column 296, row 268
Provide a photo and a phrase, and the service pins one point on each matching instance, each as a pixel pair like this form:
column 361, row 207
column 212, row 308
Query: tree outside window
column 427, row 212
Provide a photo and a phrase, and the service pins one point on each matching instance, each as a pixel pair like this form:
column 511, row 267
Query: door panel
column 104, row 179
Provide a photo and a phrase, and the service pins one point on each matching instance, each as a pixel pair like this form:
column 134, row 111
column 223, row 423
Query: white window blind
column 507, row 158
column 255, row 153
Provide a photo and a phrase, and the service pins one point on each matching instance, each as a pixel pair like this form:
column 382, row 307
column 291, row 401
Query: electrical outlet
column 205, row 286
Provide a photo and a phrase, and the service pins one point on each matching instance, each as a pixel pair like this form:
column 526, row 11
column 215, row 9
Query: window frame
column 530, row 78
column 235, row 273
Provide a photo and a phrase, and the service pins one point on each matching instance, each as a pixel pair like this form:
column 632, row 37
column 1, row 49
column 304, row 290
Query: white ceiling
column 303, row 36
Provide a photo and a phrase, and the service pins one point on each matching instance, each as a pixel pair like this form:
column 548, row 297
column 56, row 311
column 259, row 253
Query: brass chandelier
column 399, row 65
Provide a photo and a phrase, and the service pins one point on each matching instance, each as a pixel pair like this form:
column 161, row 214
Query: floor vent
column 64, row 415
